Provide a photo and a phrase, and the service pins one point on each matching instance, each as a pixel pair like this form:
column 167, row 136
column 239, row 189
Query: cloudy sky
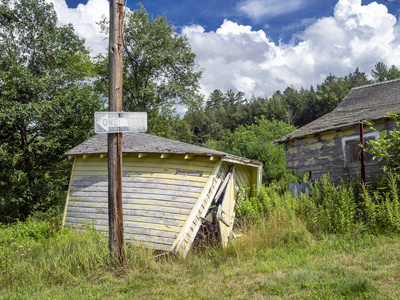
column 261, row 46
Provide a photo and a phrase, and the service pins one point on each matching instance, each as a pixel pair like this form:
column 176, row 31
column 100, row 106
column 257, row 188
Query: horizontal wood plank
column 157, row 202
column 147, row 190
column 139, row 207
column 127, row 196
column 103, row 180
column 144, row 175
column 129, row 212
column 103, row 186
column 71, row 221
column 127, row 217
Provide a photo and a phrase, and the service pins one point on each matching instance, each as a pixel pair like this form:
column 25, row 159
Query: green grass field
column 273, row 260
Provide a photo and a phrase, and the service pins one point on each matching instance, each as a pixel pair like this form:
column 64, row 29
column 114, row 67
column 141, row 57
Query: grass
column 335, row 244
column 273, row 260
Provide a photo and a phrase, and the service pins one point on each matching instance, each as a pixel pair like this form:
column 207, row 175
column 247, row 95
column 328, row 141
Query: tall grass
column 330, row 208
column 291, row 248
column 32, row 252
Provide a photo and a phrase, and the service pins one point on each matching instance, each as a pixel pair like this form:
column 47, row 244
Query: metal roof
column 370, row 102
column 146, row 143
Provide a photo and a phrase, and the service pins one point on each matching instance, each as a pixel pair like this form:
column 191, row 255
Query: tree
column 46, row 104
column 381, row 72
column 357, row 78
column 256, row 142
column 386, row 147
column 159, row 69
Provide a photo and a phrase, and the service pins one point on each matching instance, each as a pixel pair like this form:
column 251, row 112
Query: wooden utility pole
column 115, row 212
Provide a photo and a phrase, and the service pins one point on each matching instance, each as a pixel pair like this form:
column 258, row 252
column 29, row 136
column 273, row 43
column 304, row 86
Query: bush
column 386, row 147
column 340, row 209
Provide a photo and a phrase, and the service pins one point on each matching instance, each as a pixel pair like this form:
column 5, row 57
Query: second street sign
column 116, row 122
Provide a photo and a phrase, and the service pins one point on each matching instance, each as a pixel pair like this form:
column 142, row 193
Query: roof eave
column 288, row 137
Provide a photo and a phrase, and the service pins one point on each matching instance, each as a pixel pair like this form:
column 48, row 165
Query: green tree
column 159, row 70
column 46, row 104
column 393, row 73
column 386, row 147
column 256, row 142
column 357, row 78
column 381, row 72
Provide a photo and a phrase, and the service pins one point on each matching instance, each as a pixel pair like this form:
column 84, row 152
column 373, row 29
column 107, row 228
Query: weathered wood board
column 164, row 199
column 325, row 153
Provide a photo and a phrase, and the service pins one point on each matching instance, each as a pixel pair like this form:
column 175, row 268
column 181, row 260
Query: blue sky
column 280, row 24
column 261, row 46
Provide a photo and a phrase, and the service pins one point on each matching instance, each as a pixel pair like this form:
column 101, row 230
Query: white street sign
column 115, row 122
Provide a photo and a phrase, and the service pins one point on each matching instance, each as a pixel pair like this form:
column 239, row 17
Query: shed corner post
column 69, row 192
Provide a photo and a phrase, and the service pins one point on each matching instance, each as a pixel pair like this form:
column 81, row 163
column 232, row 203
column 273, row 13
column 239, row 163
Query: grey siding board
column 134, row 187
column 156, row 204
column 154, row 196
column 328, row 157
column 127, row 217
column 148, row 208
column 103, row 181
column 83, row 222
column 130, row 212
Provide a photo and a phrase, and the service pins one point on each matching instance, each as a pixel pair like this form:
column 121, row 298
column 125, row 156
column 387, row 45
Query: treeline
column 224, row 112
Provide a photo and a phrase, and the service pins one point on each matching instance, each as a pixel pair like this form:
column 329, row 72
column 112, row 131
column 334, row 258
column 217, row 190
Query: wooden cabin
column 330, row 144
column 168, row 188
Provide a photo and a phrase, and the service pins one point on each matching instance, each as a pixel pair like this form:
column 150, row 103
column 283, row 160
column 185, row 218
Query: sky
column 262, row 46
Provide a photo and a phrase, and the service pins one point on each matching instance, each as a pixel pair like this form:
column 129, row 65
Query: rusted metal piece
column 362, row 158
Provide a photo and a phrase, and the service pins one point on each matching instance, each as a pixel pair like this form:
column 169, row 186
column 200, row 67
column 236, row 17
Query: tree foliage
column 256, row 142
column 46, row 105
column 159, row 70
column 381, row 72
column 386, row 148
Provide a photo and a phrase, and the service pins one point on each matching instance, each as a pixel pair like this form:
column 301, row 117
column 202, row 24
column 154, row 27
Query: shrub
column 340, row 209
column 386, row 147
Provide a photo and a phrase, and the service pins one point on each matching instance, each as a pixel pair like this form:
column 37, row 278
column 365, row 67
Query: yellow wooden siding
column 236, row 181
column 188, row 234
column 156, row 200
column 69, row 190
column 227, row 211
column 242, row 176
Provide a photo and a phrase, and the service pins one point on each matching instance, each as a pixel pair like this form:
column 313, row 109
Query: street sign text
column 116, row 122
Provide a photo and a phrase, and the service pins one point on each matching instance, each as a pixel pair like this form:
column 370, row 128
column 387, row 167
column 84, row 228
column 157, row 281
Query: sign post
column 115, row 212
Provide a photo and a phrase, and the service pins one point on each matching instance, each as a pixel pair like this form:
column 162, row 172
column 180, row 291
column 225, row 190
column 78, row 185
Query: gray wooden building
column 330, row 143
column 167, row 188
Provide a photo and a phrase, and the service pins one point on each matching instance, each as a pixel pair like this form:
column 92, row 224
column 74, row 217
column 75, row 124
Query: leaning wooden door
column 226, row 212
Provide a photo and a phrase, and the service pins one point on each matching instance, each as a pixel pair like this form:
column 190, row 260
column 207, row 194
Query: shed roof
column 146, row 143
column 370, row 102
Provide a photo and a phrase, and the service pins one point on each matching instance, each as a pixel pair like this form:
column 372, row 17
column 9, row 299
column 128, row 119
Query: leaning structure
column 168, row 189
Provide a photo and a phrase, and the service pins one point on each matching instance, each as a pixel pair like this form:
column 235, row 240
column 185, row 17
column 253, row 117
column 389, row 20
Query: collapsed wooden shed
column 168, row 188
column 330, row 144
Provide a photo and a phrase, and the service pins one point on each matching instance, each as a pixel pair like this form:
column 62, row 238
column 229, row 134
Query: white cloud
column 84, row 19
column 257, row 9
column 239, row 58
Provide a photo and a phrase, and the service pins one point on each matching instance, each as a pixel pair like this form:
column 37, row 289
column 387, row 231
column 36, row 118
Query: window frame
column 374, row 135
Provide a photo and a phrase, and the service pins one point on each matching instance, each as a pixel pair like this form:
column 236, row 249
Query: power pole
column 115, row 211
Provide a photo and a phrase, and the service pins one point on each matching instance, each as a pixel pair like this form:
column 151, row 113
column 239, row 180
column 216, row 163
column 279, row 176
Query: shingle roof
column 146, row 143
column 369, row 102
